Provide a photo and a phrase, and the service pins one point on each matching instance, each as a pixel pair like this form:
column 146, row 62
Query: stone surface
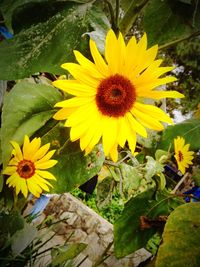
column 80, row 224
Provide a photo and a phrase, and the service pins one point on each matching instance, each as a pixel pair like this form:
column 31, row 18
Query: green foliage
column 180, row 246
column 188, row 129
column 130, row 235
column 22, row 238
column 153, row 243
column 66, row 253
column 26, row 109
column 30, row 50
column 171, row 16
column 22, row 243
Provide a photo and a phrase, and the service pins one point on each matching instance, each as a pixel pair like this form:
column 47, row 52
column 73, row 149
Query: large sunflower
column 27, row 167
column 182, row 155
column 109, row 94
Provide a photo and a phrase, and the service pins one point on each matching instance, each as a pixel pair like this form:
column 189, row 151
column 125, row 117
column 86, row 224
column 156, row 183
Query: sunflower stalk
column 131, row 15
column 177, row 41
column 112, row 16
column 179, row 183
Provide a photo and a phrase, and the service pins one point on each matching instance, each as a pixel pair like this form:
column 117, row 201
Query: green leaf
column 188, row 129
column 73, row 168
column 152, row 167
column 22, row 238
column 9, row 7
column 101, row 25
column 10, row 223
column 104, row 192
column 180, row 246
column 44, row 46
column 175, row 20
column 27, row 107
column 67, row 253
column 127, row 234
column 131, row 179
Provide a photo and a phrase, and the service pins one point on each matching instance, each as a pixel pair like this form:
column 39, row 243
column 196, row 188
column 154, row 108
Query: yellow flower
column 27, row 167
column 109, row 94
column 182, row 154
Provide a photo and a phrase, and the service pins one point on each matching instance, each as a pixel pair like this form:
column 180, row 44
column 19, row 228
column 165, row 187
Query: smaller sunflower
column 27, row 167
column 182, row 155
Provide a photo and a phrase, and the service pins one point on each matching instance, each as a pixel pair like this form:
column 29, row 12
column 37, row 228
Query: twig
column 170, row 44
column 179, row 183
column 103, row 256
column 79, row 264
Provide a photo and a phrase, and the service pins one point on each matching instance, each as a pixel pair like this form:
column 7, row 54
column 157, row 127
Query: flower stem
column 131, row 15
column 177, row 41
column 179, row 183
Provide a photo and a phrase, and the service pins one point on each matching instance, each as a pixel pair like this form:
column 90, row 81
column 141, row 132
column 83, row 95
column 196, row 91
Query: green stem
column 131, row 16
column 170, row 44
column 112, row 16
column 117, row 16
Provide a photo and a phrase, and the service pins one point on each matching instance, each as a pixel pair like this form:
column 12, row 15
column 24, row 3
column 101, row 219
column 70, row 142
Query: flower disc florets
column 115, row 96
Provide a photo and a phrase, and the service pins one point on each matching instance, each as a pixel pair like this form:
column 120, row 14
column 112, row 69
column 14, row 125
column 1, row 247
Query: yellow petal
column 63, row 113
column 24, row 188
column 161, row 94
column 46, row 174
column 29, row 149
column 73, row 87
column 146, row 60
column 9, row 170
column 147, row 120
column 122, row 133
column 96, row 137
column 89, row 134
column 99, row 61
column 136, row 126
column 46, row 165
column 74, row 102
column 17, row 150
column 114, row 153
column 110, row 129
column 84, row 113
column 154, row 112
column 111, row 52
column 46, row 157
column 12, row 180
column 87, row 64
column 80, row 74
column 41, row 152
column 34, row 188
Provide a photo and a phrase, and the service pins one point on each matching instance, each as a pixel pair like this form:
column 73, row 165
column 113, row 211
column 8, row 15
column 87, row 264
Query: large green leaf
column 9, row 7
column 73, row 168
column 66, row 253
column 26, row 109
column 44, row 46
column 180, row 246
column 22, row 238
column 128, row 234
column 188, row 129
column 168, row 20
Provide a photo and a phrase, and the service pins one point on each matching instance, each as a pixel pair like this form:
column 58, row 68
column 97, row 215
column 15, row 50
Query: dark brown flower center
column 180, row 156
column 115, row 96
column 26, row 168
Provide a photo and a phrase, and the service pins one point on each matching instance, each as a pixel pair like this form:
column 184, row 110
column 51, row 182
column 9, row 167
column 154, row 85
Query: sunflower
column 110, row 94
column 182, row 155
column 27, row 167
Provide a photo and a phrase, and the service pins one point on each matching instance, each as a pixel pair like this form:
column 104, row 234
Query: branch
column 131, row 16
column 170, row 44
